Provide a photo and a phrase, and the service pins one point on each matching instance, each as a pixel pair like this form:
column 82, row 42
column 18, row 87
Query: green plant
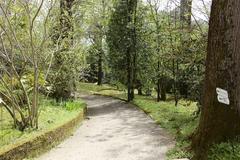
column 225, row 151
column 74, row 105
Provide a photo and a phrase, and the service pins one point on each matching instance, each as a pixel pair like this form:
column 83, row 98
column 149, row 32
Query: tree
column 186, row 12
column 63, row 76
column 220, row 120
column 185, row 36
column 122, row 42
column 146, row 52
column 156, row 18
column 23, row 42
column 96, row 20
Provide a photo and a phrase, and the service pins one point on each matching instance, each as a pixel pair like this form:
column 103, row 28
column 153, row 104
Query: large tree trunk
column 220, row 122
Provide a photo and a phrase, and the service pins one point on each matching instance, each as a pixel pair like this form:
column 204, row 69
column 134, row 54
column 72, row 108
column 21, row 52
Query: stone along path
column 114, row 130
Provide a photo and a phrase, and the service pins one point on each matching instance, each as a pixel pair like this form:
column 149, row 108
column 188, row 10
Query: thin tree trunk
column 163, row 90
column 100, row 67
column 174, row 83
column 131, row 50
column 134, row 38
column 129, row 86
column 101, row 54
column 140, row 93
column 158, row 85
column 219, row 120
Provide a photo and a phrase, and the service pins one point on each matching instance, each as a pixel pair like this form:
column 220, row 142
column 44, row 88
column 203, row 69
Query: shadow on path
column 115, row 130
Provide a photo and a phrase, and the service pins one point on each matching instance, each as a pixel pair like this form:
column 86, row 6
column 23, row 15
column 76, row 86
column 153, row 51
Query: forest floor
column 114, row 130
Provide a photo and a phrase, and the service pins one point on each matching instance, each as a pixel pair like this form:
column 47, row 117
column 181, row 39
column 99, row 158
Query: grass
column 178, row 121
column 52, row 115
column 88, row 87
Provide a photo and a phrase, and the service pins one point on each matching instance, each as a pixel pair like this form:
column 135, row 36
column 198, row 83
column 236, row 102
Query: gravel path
column 114, row 130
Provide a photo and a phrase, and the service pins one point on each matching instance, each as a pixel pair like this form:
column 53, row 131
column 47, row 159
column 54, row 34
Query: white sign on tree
column 222, row 96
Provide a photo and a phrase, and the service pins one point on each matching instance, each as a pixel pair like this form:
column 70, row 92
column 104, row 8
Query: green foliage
column 24, row 53
column 121, row 40
column 225, row 151
column 179, row 151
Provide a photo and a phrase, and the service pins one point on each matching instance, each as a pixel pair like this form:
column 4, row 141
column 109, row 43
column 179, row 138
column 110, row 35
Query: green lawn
column 52, row 115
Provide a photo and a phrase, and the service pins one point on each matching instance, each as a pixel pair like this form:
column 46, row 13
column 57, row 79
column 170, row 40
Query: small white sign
column 222, row 96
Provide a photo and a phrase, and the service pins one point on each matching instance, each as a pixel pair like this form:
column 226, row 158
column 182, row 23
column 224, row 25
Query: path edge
column 44, row 141
column 147, row 113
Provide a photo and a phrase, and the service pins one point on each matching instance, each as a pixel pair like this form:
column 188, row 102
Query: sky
column 198, row 9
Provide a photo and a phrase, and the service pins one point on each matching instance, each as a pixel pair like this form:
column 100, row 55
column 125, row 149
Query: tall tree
column 97, row 29
column 102, row 34
column 122, row 42
column 64, row 80
column 220, row 118
column 155, row 14
column 185, row 20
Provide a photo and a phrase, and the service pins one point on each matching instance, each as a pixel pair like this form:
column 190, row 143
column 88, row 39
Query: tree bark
column 129, row 76
column 100, row 67
column 131, row 50
column 65, row 81
column 140, row 93
column 175, row 88
column 158, row 85
column 186, row 12
column 220, row 122
column 101, row 53
column 65, row 19
column 163, row 90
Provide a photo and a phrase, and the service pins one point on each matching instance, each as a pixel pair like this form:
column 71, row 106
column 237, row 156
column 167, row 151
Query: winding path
column 114, row 130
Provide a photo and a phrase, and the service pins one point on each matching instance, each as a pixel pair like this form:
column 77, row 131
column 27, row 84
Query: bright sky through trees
column 200, row 8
